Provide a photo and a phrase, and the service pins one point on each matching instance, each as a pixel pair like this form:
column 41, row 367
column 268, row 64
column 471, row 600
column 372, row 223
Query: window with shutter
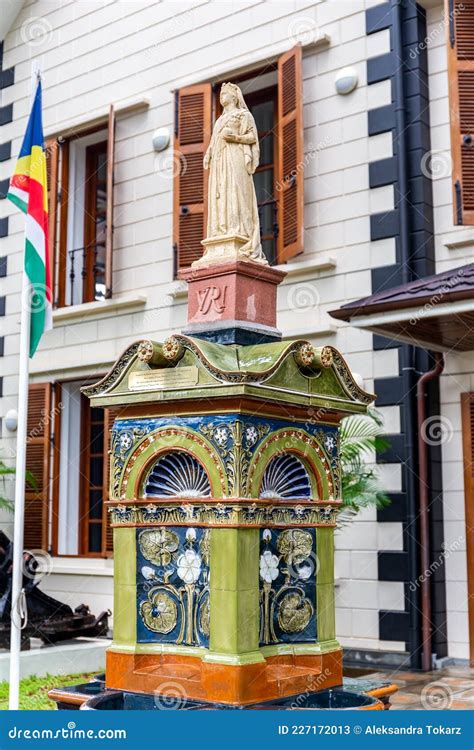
column 460, row 25
column 290, row 183
column 84, row 196
column 467, row 413
column 38, row 448
column 192, row 135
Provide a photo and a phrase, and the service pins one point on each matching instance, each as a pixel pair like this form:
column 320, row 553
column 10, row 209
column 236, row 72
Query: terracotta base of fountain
column 277, row 677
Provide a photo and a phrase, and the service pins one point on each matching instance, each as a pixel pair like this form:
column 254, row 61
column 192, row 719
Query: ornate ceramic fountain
column 225, row 482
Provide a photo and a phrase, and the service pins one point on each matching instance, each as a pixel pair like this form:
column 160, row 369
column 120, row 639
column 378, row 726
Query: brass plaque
column 151, row 380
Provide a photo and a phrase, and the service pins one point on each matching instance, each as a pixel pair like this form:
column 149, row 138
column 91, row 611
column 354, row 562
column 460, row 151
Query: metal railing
column 98, row 270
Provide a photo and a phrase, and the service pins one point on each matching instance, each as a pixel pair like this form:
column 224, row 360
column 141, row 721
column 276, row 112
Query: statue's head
column 230, row 92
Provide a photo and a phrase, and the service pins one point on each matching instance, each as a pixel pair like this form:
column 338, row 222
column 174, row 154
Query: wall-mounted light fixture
column 346, row 81
column 161, row 139
column 11, row 420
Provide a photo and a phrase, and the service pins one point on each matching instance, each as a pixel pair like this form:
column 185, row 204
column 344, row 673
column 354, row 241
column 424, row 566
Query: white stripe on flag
column 21, row 194
column 35, row 235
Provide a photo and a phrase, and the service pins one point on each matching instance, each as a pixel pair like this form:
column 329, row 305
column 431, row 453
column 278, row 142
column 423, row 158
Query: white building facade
column 114, row 73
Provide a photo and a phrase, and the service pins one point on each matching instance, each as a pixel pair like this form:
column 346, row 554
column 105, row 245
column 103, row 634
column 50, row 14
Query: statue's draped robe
column 232, row 202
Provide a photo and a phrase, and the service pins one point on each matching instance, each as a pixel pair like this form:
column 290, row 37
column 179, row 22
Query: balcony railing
column 80, row 262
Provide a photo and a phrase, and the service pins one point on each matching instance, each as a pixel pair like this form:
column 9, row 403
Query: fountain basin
column 334, row 699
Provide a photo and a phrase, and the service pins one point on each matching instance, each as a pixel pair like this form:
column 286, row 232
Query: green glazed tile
column 326, row 612
column 125, row 614
column 325, row 554
column 234, row 559
column 234, row 621
column 125, row 556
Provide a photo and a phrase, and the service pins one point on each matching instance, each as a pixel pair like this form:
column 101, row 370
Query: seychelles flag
column 28, row 191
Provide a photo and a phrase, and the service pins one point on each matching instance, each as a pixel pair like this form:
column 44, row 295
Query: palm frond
column 5, row 471
column 361, row 439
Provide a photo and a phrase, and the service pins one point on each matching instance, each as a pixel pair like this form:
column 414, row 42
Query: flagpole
column 20, row 478
column 20, row 473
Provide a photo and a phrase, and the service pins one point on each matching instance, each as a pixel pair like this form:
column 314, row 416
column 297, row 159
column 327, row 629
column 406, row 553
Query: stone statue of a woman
column 233, row 226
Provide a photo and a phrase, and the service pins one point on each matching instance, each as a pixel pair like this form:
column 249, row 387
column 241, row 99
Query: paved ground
column 448, row 688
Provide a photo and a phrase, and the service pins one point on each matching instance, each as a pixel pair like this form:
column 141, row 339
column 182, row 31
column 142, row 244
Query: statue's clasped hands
column 230, row 136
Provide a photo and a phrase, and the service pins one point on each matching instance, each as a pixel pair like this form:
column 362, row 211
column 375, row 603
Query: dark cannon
column 46, row 618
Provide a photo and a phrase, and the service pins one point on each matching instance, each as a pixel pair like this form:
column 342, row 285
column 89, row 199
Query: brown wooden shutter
column 110, row 416
column 109, row 220
column 460, row 15
column 290, row 177
column 61, row 254
column 38, row 450
column 192, row 135
column 467, row 414
column 52, row 161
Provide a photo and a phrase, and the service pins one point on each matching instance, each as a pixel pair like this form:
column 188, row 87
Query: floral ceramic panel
column 288, row 569
column 173, row 585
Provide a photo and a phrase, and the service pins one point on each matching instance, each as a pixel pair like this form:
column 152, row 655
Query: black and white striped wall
column 410, row 224
column 7, row 77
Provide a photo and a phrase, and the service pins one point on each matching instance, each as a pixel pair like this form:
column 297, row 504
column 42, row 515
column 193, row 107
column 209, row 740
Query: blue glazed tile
column 173, row 585
column 288, row 568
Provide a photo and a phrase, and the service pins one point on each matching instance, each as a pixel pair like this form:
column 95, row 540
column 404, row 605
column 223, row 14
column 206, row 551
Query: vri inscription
column 212, row 297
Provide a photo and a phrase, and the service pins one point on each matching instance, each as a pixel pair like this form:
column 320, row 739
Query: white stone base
column 223, row 249
column 68, row 657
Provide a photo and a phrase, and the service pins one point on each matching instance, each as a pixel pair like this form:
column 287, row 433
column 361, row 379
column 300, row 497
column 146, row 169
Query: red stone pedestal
column 234, row 300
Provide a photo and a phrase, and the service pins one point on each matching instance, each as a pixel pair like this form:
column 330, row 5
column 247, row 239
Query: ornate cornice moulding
column 229, row 514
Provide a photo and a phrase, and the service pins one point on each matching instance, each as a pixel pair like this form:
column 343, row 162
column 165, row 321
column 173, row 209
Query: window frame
column 58, row 182
column 90, row 218
column 53, row 499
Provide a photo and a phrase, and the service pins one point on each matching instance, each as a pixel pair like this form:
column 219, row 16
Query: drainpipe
column 401, row 138
column 407, row 352
column 423, row 484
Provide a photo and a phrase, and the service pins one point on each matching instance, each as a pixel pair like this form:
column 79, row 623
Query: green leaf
column 361, row 439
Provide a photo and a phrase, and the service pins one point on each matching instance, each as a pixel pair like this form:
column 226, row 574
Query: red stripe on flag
column 20, row 181
column 37, row 212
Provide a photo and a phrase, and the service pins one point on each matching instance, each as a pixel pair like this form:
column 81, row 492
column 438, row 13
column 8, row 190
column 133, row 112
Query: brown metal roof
column 455, row 284
column 428, row 316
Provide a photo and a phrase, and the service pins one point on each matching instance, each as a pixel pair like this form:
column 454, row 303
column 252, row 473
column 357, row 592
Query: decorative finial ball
column 145, row 351
column 326, row 356
column 305, row 355
column 172, row 349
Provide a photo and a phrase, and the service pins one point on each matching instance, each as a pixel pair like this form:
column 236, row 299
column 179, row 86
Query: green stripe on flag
column 36, row 271
column 18, row 202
